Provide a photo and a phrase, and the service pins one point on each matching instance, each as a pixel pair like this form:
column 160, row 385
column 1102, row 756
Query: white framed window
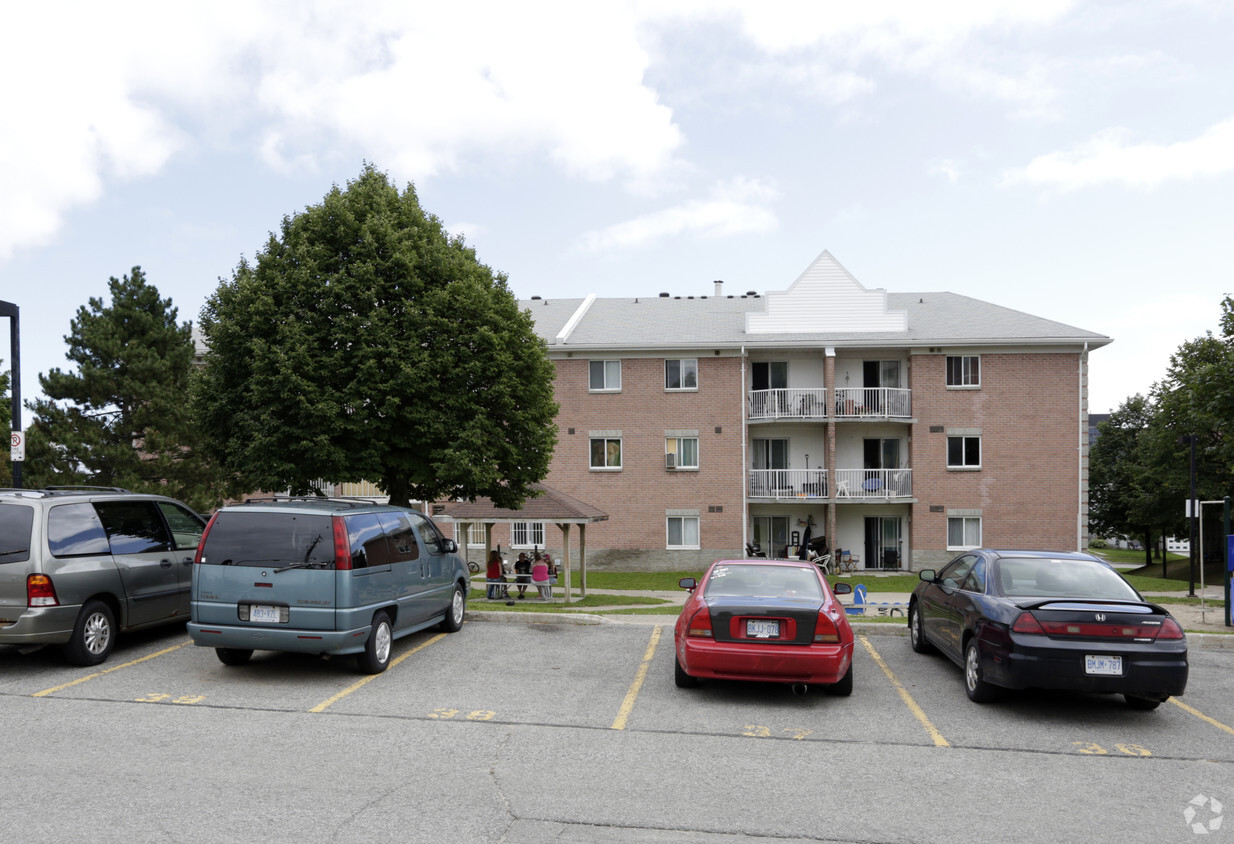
column 527, row 535
column 605, row 452
column 604, row 376
column 681, row 374
column 682, row 533
column 475, row 535
column 964, row 452
column 681, row 452
column 963, row 371
column 963, row 532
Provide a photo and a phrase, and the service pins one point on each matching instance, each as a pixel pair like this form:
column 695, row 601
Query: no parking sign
column 17, row 449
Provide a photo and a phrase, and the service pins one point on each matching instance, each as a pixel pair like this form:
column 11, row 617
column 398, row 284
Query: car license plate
column 1112, row 665
column 259, row 612
column 761, row 629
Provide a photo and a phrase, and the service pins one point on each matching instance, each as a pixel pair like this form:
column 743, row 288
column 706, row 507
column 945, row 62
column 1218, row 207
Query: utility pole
column 8, row 309
column 1192, row 506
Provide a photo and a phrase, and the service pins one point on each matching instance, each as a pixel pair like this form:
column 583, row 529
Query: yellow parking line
column 627, row 705
column 55, row 689
column 1197, row 713
column 326, row 704
column 939, row 741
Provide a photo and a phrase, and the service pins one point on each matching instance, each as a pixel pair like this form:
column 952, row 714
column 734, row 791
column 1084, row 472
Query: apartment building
column 902, row 427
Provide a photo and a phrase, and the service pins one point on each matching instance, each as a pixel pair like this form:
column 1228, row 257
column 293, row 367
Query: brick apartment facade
column 902, row 427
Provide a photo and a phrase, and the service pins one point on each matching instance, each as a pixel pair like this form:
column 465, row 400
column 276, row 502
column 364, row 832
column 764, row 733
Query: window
column 605, row 453
column 683, row 532
column 475, row 535
column 527, row 535
column 963, row 532
column 963, row 452
column 682, row 452
column 681, row 374
column 963, row 371
column 604, row 375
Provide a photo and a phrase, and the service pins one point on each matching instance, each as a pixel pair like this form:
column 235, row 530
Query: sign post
column 8, row 309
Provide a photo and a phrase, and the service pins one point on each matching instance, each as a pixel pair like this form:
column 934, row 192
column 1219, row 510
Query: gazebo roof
column 551, row 505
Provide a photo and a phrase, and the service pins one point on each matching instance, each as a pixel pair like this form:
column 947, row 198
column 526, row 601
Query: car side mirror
column 842, row 589
column 928, row 575
column 449, row 546
column 688, row 583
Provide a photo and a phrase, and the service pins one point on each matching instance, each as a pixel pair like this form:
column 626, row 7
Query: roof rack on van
column 310, row 499
column 68, row 489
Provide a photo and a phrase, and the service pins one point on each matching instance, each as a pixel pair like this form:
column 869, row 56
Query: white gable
column 826, row 298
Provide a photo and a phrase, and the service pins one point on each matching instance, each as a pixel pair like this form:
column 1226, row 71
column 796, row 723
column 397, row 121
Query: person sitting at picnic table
column 522, row 572
column 495, row 575
column 539, row 577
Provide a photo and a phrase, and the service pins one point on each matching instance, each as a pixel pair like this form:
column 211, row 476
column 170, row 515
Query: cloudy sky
column 1074, row 160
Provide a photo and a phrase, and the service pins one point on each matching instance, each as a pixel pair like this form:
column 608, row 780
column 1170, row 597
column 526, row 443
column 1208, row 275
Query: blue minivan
column 322, row 576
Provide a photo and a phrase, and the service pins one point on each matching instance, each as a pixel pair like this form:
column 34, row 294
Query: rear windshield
column 15, row 525
column 240, row 538
column 744, row 581
column 1047, row 578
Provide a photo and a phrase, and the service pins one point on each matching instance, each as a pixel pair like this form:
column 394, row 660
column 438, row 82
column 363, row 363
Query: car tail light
column 1026, row 622
column 342, row 548
column 825, row 629
column 1170, row 630
column 40, row 592
column 201, row 543
column 700, row 624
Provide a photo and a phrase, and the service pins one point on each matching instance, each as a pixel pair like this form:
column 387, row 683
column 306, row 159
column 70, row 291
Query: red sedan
column 772, row 621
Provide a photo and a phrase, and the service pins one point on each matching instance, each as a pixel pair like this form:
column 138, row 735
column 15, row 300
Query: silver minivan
column 322, row 576
column 79, row 564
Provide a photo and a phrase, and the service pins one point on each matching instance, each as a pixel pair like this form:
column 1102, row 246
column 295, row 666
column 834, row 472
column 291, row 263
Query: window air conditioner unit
column 670, row 461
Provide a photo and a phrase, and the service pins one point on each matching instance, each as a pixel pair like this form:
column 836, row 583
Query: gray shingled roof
column 553, row 506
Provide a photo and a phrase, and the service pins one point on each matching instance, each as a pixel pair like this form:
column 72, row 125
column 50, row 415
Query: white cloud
column 1110, row 158
column 734, row 208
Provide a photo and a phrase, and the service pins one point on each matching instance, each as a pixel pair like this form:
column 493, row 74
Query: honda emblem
column 1101, row 616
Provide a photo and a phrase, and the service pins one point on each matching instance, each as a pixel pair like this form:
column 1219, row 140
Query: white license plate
column 259, row 612
column 756, row 629
column 1112, row 665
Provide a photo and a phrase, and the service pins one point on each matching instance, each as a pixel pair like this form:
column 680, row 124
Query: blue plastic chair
column 859, row 604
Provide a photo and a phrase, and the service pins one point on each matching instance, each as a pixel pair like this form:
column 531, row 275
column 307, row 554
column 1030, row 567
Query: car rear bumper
column 708, row 659
column 279, row 639
column 1147, row 670
column 41, row 626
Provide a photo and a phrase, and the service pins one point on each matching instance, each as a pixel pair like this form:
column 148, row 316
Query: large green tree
column 367, row 343
column 121, row 417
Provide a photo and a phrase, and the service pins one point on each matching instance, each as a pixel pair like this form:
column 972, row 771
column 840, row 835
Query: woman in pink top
column 539, row 577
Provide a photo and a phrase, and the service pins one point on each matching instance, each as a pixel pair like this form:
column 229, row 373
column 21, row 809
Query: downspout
column 745, row 444
column 1079, row 516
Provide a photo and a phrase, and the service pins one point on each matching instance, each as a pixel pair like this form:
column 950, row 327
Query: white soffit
column 825, row 298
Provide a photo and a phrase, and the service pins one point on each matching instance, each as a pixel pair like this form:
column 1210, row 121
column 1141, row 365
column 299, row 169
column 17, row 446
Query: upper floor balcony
column 842, row 484
column 810, row 403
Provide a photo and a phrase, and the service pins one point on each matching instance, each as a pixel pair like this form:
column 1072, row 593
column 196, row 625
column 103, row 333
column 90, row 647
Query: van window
column 428, row 530
column 185, row 526
column 15, row 525
column 368, row 541
column 248, row 538
column 133, row 527
column 75, row 530
column 403, row 545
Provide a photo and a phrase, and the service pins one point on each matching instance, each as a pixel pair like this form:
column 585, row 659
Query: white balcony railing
column 880, row 402
column 788, row 403
column 874, row 483
column 788, row 483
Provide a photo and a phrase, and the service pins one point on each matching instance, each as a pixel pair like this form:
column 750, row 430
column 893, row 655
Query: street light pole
column 1190, row 439
column 8, row 309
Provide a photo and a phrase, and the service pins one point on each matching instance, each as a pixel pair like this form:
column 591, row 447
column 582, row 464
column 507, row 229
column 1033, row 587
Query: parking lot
column 542, row 729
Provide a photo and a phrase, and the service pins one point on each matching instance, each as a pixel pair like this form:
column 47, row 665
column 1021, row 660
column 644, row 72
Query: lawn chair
column 859, row 604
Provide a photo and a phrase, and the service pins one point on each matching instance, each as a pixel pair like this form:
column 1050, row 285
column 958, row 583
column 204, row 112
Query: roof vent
column 534, row 298
column 663, row 295
column 751, row 292
column 719, row 287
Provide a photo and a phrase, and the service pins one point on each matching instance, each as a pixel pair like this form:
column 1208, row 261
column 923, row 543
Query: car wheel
column 979, row 691
column 376, row 654
column 94, row 635
column 1144, row 704
column 456, row 611
column 684, row 680
column 844, row 688
column 916, row 632
column 233, row 656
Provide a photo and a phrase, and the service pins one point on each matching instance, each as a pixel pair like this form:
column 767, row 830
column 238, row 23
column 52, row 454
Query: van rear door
column 267, row 569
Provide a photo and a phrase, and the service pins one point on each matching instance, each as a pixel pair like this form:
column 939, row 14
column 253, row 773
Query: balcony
column 789, row 403
column 873, row 484
column 785, row 484
column 873, row 403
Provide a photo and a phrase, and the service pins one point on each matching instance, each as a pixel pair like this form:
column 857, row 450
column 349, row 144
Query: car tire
column 979, row 691
column 1143, row 704
column 684, row 680
column 94, row 635
column 844, row 688
column 233, row 656
column 377, row 649
column 456, row 612
column 916, row 631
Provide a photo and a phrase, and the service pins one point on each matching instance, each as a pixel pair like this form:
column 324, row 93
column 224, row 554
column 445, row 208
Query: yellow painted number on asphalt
column 162, row 697
column 474, row 715
column 755, row 731
column 1097, row 750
